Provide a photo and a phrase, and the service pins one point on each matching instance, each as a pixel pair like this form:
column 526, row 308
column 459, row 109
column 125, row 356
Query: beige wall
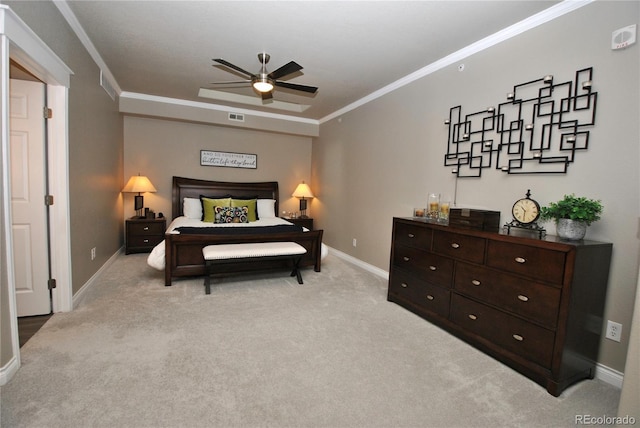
column 95, row 145
column 382, row 159
column 378, row 161
column 95, row 150
column 161, row 148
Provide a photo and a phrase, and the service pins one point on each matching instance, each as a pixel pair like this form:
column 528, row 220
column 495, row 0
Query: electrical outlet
column 93, row 253
column 614, row 330
column 355, row 242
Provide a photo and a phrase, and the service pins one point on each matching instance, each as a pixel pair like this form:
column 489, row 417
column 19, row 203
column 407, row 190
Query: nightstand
column 304, row 222
column 142, row 235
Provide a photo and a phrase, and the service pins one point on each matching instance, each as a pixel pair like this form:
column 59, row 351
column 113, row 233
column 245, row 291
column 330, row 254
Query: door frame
column 20, row 43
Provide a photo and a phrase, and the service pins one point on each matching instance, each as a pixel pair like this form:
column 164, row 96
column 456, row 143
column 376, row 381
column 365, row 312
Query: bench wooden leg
column 296, row 269
column 207, row 283
column 208, row 268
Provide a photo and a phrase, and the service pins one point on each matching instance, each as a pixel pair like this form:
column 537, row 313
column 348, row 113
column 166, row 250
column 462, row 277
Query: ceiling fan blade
column 266, row 95
column 231, row 82
column 235, row 67
column 285, row 70
column 303, row 88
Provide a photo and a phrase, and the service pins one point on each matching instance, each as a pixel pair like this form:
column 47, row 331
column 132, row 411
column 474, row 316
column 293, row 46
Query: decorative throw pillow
column 266, row 208
column 208, row 205
column 192, row 208
column 231, row 214
column 251, row 204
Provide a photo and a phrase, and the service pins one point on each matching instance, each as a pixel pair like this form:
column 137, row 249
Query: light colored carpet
column 263, row 351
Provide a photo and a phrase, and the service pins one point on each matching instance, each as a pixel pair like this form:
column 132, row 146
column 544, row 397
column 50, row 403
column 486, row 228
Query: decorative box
column 468, row 218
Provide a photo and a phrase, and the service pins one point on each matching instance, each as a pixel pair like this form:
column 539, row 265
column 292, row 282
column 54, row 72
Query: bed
column 180, row 254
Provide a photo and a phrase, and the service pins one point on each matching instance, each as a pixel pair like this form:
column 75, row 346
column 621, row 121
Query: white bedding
column 157, row 257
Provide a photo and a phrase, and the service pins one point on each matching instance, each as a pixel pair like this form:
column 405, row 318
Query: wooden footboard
column 184, row 252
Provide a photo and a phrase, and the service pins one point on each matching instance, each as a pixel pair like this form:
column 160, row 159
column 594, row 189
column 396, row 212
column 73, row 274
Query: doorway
column 28, row 189
column 20, row 43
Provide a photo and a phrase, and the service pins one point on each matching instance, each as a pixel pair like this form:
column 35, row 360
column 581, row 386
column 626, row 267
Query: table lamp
column 303, row 191
column 138, row 184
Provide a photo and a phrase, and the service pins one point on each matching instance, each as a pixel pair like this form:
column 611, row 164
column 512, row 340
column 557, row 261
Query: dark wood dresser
column 141, row 235
column 534, row 304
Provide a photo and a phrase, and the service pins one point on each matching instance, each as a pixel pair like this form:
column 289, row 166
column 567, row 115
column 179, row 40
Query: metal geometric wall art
column 537, row 130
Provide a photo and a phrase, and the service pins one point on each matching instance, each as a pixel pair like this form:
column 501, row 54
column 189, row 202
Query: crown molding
column 73, row 22
column 527, row 24
column 216, row 107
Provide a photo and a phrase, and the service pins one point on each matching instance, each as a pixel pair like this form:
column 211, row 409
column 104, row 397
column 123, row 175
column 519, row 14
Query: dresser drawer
column 514, row 334
column 422, row 294
column 143, row 234
column 427, row 266
column 465, row 247
column 144, row 240
column 535, row 301
column 413, row 235
column 146, row 228
column 540, row 263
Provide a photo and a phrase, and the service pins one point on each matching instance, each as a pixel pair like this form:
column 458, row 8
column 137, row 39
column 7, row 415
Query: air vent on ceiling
column 108, row 87
column 237, row 117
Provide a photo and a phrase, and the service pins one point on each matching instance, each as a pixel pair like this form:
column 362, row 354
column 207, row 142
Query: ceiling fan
column 263, row 82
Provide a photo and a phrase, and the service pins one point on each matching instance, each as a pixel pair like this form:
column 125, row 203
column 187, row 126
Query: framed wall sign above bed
column 228, row 159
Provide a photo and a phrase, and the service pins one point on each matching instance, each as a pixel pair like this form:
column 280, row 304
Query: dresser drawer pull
column 475, row 282
column 146, row 228
column 404, row 285
column 432, row 267
column 472, row 317
column 430, row 297
column 406, row 259
column 146, row 241
column 518, row 337
column 455, row 245
column 411, row 235
column 520, row 260
column 523, row 298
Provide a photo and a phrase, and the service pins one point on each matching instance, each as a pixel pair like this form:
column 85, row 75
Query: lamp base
column 139, row 202
column 303, row 208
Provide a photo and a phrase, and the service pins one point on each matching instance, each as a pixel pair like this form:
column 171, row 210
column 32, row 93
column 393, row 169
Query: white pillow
column 192, row 208
column 266, row 208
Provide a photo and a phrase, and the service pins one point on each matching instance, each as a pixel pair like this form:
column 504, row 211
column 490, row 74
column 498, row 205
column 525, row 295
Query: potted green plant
column 572, row 215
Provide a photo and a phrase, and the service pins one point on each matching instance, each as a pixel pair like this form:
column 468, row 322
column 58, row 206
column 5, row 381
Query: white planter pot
column 571, row 230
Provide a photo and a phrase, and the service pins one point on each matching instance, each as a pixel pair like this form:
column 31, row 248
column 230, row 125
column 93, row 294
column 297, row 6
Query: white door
column 28, row 174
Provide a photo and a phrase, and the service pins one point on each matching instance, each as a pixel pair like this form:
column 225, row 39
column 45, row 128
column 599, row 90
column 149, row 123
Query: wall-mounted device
column 623, row 37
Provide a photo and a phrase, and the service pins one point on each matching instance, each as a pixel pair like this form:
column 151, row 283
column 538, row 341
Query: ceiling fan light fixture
column 262, row 84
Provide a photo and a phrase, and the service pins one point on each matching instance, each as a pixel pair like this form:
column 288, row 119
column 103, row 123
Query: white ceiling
column 349, row 49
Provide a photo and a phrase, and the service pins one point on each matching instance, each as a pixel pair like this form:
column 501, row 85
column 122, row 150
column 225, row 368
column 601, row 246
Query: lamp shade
column 138, row 184
column 302, row 191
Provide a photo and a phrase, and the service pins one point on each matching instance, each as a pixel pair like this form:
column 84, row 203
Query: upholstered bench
column 235, row 253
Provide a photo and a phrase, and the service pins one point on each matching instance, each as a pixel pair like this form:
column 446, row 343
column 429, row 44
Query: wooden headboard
column 193, row 188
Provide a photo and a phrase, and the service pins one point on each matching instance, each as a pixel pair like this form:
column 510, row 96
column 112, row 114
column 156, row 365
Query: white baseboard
column 8, row 370
column 77, row 298
column 366, row 266
column 609, row 375
column 603, row 373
